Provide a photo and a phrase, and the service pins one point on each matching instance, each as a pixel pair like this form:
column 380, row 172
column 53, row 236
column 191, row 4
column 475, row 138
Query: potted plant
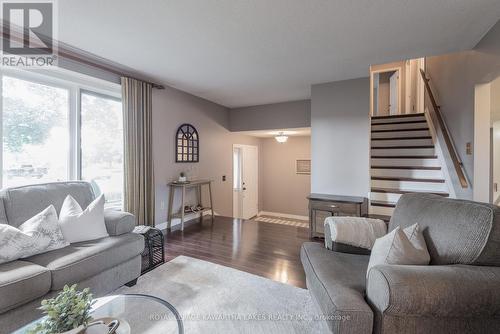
column 182, row 177
column 68, row 312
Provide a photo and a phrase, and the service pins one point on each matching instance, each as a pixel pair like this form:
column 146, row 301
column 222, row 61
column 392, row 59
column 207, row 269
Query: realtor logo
column 28, row 38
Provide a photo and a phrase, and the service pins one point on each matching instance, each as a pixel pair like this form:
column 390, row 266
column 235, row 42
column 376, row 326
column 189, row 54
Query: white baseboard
column 187, row 217
column 283, row 215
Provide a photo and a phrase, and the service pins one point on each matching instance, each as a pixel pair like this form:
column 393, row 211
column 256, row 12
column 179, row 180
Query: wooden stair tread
column 381, row 217
column 399, row 116
column 399, row 191
column 410, row 179
column 400, row 130
column 399, row 123
column 404, row 156
column 402, row 138
column 404, row 147
column 407, row 167
column 383, row 203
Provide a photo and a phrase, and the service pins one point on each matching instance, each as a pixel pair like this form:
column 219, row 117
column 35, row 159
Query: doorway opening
column 245, row 181
column 487, row 142
column 397, row 88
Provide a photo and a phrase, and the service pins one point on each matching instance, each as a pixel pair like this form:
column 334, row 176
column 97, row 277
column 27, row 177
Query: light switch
column 468, row 148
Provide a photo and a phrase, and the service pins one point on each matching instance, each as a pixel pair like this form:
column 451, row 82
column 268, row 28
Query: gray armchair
column 459, row 292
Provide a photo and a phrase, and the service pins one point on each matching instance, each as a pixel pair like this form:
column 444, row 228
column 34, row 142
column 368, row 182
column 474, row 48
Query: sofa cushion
column 22, row 203
column 22, row 282
column 337, row 283
column 85, row 259
column 456, row 231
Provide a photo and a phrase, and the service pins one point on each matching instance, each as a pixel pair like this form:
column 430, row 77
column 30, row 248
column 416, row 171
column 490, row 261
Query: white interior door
column 245, row 181
column 393, row 93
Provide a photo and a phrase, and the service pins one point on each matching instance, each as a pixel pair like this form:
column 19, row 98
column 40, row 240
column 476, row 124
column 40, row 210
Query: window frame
column 76, row 84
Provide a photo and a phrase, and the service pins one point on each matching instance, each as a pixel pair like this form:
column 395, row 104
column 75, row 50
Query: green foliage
column 70, row 309
column 25, row 125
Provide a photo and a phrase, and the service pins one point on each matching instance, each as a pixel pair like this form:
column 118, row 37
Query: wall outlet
column 223, row 178
column 468, row 148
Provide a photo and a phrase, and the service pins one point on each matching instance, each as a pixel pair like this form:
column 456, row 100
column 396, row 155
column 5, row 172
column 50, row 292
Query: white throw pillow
column 82, row 225
column 400, row 247
column 37, row 235
column 356, row 231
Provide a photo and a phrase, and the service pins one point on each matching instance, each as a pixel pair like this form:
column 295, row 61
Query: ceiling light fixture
column 281, row 138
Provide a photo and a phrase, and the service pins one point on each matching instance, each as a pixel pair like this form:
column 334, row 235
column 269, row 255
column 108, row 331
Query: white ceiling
column 295, row 132
column 242, row 52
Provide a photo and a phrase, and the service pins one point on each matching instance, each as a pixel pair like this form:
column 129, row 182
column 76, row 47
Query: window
column 35, row 132
column 102, row 144
column 237, row 168
column 57, row 129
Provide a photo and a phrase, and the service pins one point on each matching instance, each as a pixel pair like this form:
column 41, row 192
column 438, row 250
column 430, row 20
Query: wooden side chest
column 322, row 206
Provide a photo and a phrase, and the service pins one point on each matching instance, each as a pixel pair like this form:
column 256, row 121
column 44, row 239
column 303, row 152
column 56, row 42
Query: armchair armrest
column 118, row 222
column 435, row 291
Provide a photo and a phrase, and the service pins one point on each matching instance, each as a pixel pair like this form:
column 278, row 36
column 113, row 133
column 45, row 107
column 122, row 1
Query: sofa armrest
column 435, row 291
column 118, row 222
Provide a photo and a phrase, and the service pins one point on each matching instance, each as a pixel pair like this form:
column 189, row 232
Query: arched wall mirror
column 187, row 146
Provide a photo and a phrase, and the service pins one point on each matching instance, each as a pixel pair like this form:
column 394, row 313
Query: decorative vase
column 77, row 330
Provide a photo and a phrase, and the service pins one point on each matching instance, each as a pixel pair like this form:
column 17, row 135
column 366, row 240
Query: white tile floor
column 282, row 221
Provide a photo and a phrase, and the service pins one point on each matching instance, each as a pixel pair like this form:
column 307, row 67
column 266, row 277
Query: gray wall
column 453, row 78
column 340, row 131
column 282, row 190
column 295, row 114
column 171, row 108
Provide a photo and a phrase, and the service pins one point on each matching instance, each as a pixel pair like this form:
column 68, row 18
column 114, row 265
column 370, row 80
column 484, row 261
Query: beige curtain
column 137, row 129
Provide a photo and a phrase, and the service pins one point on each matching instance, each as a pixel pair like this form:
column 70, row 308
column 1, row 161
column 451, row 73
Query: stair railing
column 457, row 162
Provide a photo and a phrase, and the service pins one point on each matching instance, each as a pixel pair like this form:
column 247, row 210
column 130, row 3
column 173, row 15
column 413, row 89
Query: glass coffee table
column 136, row 313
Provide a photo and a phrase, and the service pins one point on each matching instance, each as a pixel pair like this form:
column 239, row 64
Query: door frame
column 234, row 198
column 398, row 69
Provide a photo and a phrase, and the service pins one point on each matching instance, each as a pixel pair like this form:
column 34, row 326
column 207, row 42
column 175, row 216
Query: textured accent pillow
column 400, row 247
column 82, row 225
column 356, row 231
column 38, row 234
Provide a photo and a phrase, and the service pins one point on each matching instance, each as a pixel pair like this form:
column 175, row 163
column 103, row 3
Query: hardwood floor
column 264, row 249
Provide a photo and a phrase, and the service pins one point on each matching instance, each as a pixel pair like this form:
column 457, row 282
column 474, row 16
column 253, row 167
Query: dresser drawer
column 338, row 208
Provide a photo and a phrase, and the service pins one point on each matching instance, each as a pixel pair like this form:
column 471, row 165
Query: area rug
column 215, row 299
column 282, row 221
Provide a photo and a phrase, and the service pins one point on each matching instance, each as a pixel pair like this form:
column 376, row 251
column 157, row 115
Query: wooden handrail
column 457, row 163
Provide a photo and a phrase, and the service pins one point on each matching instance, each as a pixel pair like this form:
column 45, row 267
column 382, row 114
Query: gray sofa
column 102, row 265
column 459, row 292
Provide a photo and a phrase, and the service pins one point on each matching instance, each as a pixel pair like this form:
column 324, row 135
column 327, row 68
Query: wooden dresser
column 322, row 206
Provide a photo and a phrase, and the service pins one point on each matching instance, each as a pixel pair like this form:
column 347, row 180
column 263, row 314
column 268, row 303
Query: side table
column 183, row 186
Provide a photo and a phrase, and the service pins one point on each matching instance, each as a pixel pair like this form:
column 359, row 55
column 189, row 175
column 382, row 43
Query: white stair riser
column 403, row 151
column 401, row 142
column 405, row 162
column 399, row 126
column 397, row 119
column 381, row 210
column 409, row 185
column 401, row 134
column 385, row 197
column 415, row 173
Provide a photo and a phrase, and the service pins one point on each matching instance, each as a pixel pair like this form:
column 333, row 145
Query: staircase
column 403, row 160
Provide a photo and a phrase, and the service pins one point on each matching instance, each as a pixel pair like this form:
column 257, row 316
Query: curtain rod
column 72, row 53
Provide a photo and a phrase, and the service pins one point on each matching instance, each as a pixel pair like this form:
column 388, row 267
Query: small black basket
column 154, row 252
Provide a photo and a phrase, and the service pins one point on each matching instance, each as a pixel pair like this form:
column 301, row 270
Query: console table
column 182, row 186
column 322, row 206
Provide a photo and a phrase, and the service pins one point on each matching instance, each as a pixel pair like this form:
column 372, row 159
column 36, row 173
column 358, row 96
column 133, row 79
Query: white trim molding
column 187, row 217
column 283, row 215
